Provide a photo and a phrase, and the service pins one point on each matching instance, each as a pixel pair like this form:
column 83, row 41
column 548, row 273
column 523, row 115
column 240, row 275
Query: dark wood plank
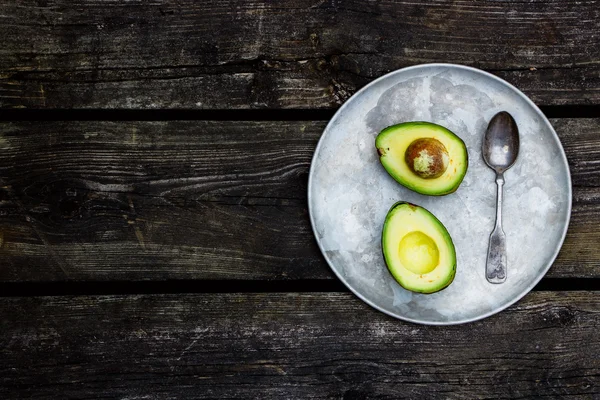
column 273, row 346
column 288, row 54
column 581, row 139
column 198, row 200
column 158, row 201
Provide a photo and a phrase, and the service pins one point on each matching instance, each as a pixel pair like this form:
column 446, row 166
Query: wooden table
column 154, row 234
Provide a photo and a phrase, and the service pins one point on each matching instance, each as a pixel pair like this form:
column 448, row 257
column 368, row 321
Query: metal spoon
column 500, row 149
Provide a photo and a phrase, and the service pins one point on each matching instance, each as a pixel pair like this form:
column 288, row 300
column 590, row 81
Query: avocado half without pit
column 423, row 156
column 417, row 249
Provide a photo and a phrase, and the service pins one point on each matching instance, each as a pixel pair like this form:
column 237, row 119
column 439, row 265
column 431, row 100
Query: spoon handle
column 495, row 270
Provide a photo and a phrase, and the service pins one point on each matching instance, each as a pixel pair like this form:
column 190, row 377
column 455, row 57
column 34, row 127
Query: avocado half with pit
column 417, row 248
column 423, row 156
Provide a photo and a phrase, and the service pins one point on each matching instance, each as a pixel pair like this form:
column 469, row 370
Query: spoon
column 500, row 149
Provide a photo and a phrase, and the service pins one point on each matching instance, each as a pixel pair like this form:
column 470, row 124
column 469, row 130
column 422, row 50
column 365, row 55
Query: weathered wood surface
column 198, row 200
column 273, row 346
column 284, row 54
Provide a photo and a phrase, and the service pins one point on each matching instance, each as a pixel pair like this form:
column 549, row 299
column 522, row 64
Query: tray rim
column 544, row 119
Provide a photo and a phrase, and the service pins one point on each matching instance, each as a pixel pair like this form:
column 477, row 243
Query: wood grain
column 101, row 201
column 329, row 346
column 289, row 54
column 580, row 139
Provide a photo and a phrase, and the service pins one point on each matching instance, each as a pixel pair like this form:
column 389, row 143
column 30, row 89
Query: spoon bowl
column 501, row 142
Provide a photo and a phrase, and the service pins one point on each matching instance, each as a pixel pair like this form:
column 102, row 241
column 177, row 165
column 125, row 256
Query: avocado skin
column 447, row 234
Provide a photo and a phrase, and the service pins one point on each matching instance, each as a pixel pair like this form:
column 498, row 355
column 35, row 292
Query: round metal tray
column 349, row 192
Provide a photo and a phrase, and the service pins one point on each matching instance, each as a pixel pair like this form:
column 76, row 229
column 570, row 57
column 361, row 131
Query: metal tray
column 349, row 192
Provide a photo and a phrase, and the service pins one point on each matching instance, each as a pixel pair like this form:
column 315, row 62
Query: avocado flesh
column 417, row 249
column 393, row 142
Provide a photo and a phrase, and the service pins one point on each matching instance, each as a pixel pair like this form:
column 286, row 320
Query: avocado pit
column 427, row 157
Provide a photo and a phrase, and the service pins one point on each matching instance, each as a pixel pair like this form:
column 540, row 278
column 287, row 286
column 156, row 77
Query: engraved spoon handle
column 495, row 270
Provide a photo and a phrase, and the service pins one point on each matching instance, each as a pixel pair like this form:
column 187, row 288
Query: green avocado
column 417, row 249
column 424, row 157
